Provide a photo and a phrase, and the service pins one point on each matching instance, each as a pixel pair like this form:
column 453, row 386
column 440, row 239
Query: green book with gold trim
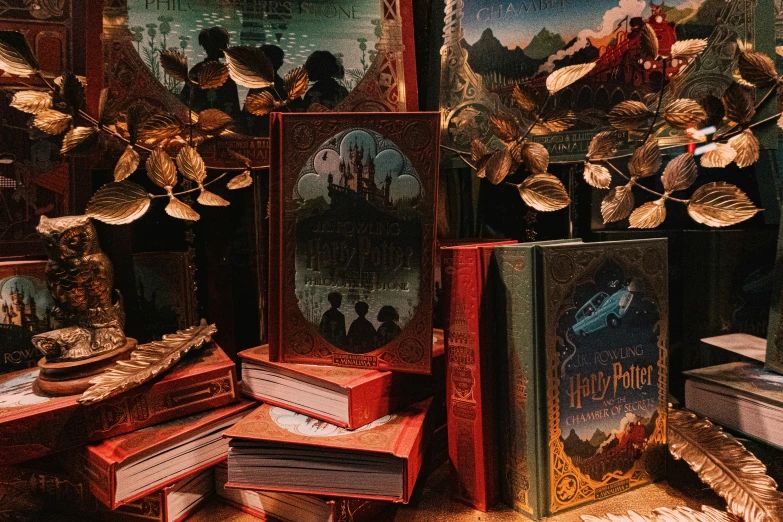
column 586, row 341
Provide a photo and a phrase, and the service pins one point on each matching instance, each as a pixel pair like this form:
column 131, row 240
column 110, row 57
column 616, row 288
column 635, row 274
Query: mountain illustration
column 704, row 22
column 544, row 44
column 576, row 447
column 488, row 56
column 598, row 438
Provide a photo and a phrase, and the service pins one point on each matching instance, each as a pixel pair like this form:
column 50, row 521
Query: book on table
column 274, row 449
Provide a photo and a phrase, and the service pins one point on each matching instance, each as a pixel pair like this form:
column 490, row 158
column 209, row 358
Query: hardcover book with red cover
column 274, row 449
column 273, row 505
column 32, row 425
column 469, row 377
column 352, row 235
column 131, row 466
column 347, row 397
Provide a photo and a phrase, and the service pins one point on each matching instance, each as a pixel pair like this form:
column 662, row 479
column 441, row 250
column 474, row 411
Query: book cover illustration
column 491, row 47
column 26, row 308
column 774, row 359
column 358, row 199
column 606, row 310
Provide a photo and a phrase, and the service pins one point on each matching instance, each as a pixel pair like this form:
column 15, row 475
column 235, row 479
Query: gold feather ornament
column 724, row 464
column 147, row 362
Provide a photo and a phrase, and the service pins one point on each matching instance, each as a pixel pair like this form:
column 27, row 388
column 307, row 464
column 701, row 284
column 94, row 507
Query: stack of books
column 148, row 454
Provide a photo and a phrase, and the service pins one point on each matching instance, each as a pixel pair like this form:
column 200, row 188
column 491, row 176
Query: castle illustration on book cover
column 609, row 332
column 358, row 240
column 492, row 46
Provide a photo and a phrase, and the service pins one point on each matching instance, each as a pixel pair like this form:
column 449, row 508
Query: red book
column 273, row 505
column 351, row 238
column 42, row 486
column 469, row 409
column 347, row 397
column 127, row 467
column 32, row 425
column 274, row 449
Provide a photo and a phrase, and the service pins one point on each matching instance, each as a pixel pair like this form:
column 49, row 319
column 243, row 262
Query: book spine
column 61, row 429
column 374, row 398
column 468, row 406
column 99, row 474
column 275, row 238
column 774, row 357
column 521, row 433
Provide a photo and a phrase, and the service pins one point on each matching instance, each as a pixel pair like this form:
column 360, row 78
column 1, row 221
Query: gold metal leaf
column 478, row 150
column 77, row 137
column 544, row 192
column 32, row 102
column 190, row 164
column 597, row 175
column 720, row 204
column 499, row 166
column 757, row 68
column 683, row 113
column 213, row 120
column 688, row 49
column 649, row 215
column 211, row 199
column 562, row 78
column 719, row 157
column 260, row 103
column 178, row 209
column 481, row 164
column 601, row 146
column 649, row 42
column 134, row 117
column 15, row 55
column 127, row 164
column 534, row 156
column 211, row 75
column 724, row 464
column 244, row 160
column 72, row 90
column 738, row 102
column 747, row 147
column 503, row 126
column 678, row 514
column 146, row 362
column 779, row 50
column 780, row 122
column 159, row 126
column 249, row 67
column 617, row 204
column 526, row 98
column 240, row 181
column 646, row 160
column 52, row 122
column 161, row 169
column 680, row 173
column 559, row 121
column 119, row 203
column 296, row 82
column 629, row 115
column 175, row 64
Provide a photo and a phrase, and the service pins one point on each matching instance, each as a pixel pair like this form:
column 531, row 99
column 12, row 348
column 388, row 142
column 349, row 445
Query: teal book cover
column 774, row 359
column 587, row 355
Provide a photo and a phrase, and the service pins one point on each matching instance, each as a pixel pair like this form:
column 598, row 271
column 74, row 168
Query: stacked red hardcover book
column 469, row 327
column 128, row 467
column 347, row 397
column 32, row 425
column 274, row 449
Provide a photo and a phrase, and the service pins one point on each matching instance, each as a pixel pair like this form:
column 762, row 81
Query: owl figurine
column 81, row 280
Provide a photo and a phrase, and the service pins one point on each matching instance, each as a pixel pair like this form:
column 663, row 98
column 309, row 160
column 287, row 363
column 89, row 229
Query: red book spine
column 275, row 234
column 99, row 475
column 469, row 373
column 67, row 424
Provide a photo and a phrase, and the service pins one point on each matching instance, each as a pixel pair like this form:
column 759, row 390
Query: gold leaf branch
column 147, row 362
column 724, row 464
column 715, row 204
column 61, row 111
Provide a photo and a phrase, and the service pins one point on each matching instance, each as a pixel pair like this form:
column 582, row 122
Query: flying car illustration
column 602, row 310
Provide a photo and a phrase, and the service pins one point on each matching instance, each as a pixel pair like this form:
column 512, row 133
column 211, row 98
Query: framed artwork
column 359, row 55
column 166, row 293
column 490, row 48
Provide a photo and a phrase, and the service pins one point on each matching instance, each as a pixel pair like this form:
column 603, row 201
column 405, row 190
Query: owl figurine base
column 80, row 278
